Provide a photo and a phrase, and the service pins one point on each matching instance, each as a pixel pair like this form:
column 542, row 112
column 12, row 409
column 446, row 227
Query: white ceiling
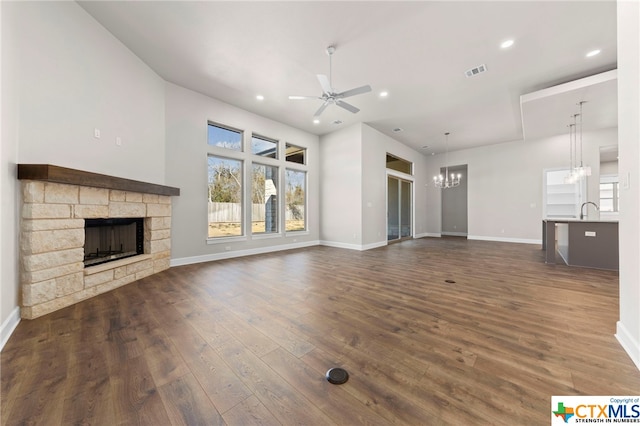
column 418, row 51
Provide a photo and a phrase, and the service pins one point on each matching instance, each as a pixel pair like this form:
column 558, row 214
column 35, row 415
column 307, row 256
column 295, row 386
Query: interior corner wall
column 187, row 116
column 75, row 77
column 9, row 193
column 505, row 183
column 628, row 327
column 341, row 187
column 375, row 146
column 64, row 75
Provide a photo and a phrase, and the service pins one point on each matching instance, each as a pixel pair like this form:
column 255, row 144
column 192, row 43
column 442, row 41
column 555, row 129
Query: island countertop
column 586, row 243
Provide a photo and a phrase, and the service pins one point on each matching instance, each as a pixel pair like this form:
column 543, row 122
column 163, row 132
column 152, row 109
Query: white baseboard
column 454, row 234
column 239, row 253
column 8, row 326
column 628, row 343
column 431, row 234
column 505, row 240
column 358, row 247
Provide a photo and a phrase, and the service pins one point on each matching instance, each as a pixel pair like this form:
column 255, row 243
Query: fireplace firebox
column 107, row 240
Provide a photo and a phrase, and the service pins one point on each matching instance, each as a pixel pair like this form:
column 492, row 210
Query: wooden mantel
column 57, row 174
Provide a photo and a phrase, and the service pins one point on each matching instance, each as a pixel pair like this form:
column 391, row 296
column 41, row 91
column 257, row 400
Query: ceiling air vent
column 398, row 129
column 475, row 71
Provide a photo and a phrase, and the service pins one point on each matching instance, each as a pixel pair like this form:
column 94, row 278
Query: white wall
column 187, row 115
column 628, row 328
column 340, row 187
column 505, row 183
column 354, row 187
column 74, row 76
column 375, row 146
column 9, row 289
column 63, row 75
column 609, row 168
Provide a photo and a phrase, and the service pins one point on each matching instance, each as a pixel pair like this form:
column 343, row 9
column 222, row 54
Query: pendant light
column 447, row 181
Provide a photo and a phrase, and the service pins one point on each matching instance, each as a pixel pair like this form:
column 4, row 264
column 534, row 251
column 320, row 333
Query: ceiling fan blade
column 297, row 98
column 322, row 108
column 347, row 106
column 353, row 92
column 324, row 83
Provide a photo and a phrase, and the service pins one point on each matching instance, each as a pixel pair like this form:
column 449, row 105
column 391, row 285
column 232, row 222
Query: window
column 264, row 147
column 225, row 197
column 609, row 193
column 295, row 154
column 399, row 165
column 224, row 137
column 264, row 199
column 295, row 200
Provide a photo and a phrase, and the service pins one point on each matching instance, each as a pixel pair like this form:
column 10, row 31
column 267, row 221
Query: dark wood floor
column 248, row 341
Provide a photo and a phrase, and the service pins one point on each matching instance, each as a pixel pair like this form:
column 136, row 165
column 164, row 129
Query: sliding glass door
column 399, row 209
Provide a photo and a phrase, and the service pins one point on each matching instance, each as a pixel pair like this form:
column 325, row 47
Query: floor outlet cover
column 337, row 376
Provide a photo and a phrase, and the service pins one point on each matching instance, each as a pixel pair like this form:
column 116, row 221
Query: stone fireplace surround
column 55, row 202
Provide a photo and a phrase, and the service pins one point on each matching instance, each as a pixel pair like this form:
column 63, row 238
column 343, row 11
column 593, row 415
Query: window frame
column 229, row 129
column 266, row 139
column 278, row 203
column 304, row 153
column 243, row 233
column 305, row 230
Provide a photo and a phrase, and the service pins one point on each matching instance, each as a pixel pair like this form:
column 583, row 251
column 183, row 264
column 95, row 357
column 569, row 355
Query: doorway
column 454, row 205
column 399, row 209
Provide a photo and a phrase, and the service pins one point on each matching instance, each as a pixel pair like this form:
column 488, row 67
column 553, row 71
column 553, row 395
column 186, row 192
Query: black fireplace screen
column 106, row 240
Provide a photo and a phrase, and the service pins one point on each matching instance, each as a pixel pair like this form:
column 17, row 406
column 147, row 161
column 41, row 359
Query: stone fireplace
column 57, row 204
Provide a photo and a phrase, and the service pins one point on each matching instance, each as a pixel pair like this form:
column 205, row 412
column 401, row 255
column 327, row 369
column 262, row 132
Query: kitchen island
column 586, row 243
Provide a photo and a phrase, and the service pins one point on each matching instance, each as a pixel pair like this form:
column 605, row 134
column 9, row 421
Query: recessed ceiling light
column 384, row 94
column 506, row 43
column 593, row 53
column 260, row 97
column 316, row 121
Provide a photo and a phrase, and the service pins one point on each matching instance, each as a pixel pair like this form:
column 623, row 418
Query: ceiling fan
column 329, row 96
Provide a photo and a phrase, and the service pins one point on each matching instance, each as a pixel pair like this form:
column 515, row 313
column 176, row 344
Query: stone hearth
column 52, row 271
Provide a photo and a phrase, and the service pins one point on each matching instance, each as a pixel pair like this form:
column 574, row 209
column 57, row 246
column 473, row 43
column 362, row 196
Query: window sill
column 266, row 236
column 296, row 233
column 221, row 240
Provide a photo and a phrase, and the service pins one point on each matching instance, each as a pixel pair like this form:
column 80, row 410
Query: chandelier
column 577, row 172
column 447, row 181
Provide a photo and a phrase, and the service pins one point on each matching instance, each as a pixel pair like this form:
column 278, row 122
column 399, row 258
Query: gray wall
column 454, row 204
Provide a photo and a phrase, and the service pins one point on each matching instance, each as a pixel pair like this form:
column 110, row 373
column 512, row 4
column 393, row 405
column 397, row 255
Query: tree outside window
column 225, row 197
column 295, row 200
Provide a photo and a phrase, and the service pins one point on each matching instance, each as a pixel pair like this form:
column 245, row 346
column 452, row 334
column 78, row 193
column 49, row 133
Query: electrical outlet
column 589, row 233
column 96, row 133
column 118, row 141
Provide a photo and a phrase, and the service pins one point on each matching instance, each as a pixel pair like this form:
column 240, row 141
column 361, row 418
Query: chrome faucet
column 582, row 208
